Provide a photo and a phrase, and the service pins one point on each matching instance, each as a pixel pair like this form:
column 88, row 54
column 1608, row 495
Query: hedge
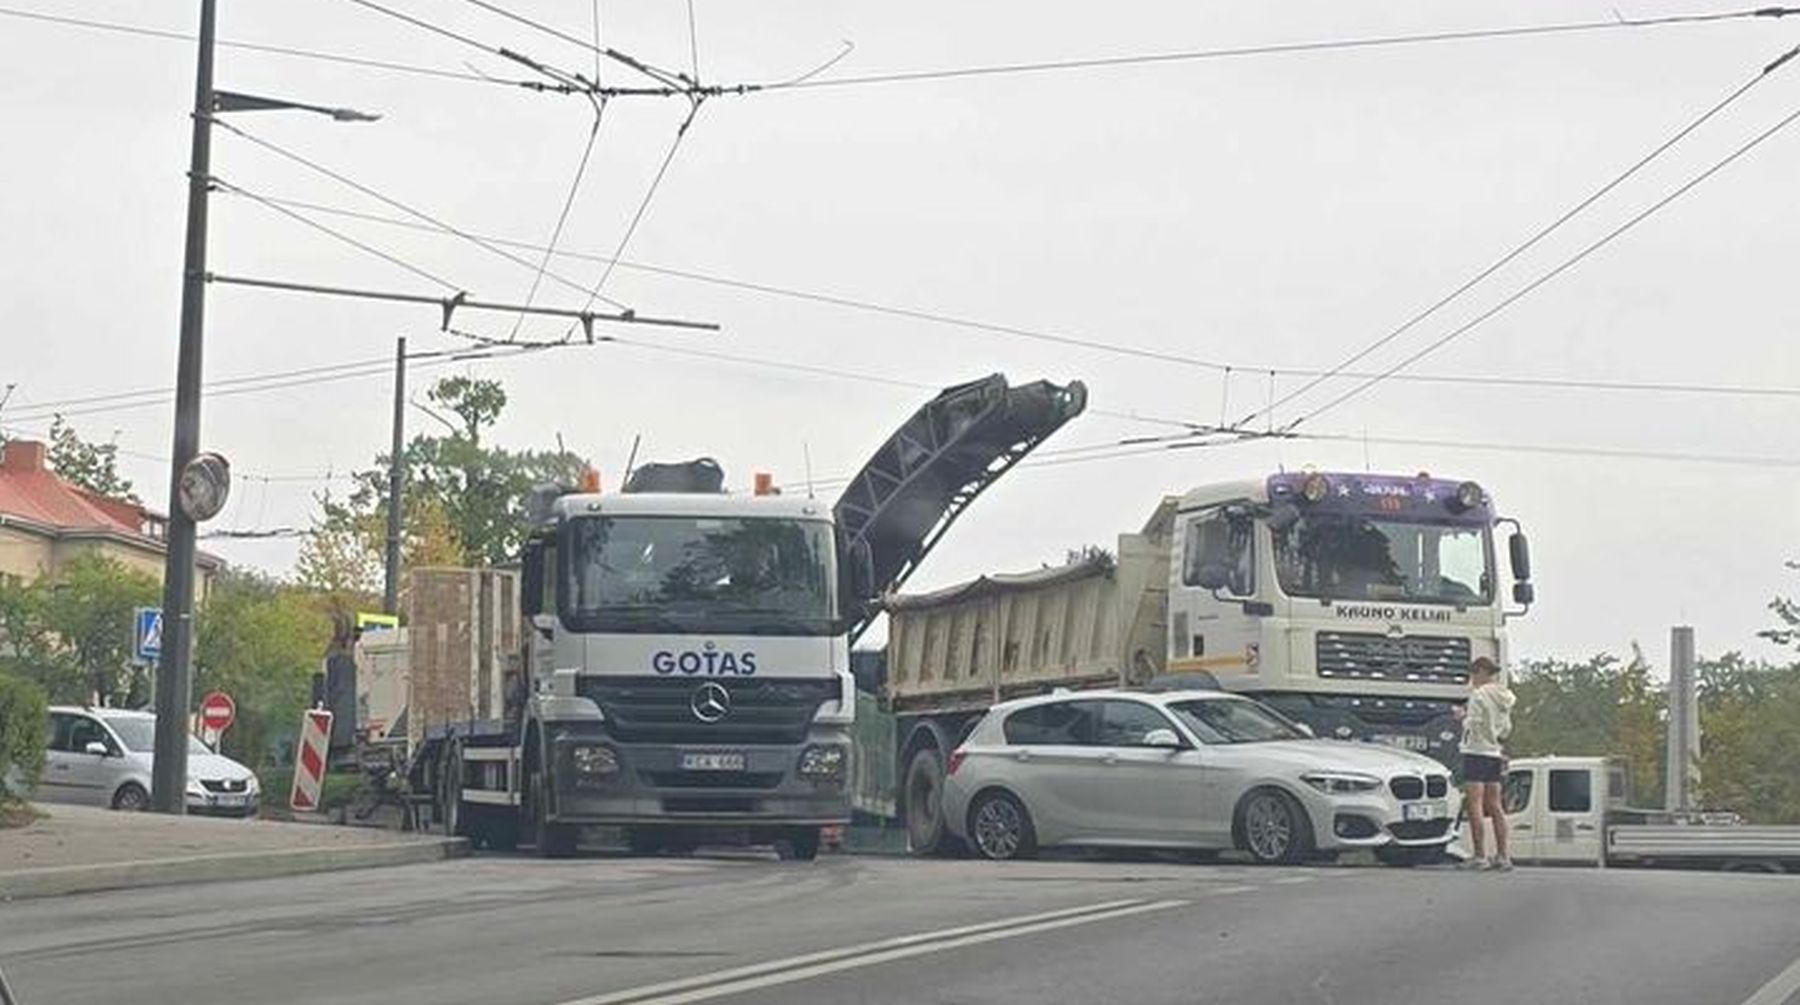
column 24, row 717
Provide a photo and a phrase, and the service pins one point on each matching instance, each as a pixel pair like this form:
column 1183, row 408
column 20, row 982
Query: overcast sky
column 1271, row 211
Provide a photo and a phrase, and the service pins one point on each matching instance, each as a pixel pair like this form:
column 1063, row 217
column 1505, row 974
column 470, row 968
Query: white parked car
column 1198, row 770
column 103, row 757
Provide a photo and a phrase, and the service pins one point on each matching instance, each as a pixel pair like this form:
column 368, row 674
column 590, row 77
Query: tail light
column 955, row 761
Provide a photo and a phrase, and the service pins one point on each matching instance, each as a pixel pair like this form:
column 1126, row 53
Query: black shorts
column 1481, row 768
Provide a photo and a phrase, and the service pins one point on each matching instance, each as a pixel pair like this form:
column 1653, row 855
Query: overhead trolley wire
column 1530, row 242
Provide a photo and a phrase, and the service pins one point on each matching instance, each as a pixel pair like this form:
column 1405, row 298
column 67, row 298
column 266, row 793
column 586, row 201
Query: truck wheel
column 799, row 844
column 1408, row 856
column 926, row 833
column 1273, row 828
column 551, row 840
column 451, row 810
column 1000, row 827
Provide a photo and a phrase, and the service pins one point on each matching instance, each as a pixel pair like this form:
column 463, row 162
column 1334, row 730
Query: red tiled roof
column 30, row 491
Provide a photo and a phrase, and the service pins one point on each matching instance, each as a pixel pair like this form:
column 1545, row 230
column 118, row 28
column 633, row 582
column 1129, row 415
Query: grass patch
column 19, row 815
column 338, row 790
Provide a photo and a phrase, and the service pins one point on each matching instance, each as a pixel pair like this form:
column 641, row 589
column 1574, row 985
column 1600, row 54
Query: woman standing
column 1487, row 719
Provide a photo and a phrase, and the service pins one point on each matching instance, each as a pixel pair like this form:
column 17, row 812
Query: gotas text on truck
column 707, row 661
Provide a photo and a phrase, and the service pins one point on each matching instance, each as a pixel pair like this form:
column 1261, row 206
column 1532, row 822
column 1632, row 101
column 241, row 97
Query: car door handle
column 59, row 767
column 1023, row 755
column 1521, row 827
column 1584, row 827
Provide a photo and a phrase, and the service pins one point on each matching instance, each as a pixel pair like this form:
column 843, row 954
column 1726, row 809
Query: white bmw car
column 1199, row 770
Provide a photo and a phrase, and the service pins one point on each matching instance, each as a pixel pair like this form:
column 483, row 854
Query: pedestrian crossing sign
column 146, row 636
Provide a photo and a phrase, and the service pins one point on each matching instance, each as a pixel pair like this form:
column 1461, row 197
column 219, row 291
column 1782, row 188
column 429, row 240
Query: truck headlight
column 594, row 760
column 1338, row 783
column 824, row 761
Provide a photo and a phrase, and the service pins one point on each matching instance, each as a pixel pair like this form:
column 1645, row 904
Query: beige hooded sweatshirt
column 1488, row 719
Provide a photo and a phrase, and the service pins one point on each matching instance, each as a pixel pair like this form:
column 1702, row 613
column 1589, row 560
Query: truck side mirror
column 1213, row 574
column 1524, row 593
column 1283, row 516
column 531, row 579
column 1519, row 551
column 862, row 572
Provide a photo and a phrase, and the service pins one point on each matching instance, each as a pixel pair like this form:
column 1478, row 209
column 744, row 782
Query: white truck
column 1575, row 811
column 684, row 665
column 1352, row 603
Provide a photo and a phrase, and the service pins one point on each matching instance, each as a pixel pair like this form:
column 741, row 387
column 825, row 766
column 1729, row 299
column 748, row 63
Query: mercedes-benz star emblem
column 711, row 702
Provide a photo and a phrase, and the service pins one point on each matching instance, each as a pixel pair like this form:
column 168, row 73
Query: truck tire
column 923, row 792
column 798, row 844
column 548, row 839
column 644, row 840
column 1000, row 827
column 451, row 811
column 1273, row 828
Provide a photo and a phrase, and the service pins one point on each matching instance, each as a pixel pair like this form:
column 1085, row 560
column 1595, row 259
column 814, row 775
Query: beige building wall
column 24, row 554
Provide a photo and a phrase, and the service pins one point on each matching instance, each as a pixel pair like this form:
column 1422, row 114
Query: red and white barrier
column 309, row 760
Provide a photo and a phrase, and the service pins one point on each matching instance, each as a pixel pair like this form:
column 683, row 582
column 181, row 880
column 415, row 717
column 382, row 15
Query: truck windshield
column 758, row 576
column 1351, row 557
column 1233, row 720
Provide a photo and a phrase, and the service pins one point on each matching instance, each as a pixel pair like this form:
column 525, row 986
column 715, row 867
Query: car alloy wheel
column 1268, row 827
column 999, row 827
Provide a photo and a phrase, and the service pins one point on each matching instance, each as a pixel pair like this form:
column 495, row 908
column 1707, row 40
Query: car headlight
column 822, row 761
column 1337, row 783
column 252, row 786
column 194, row 788
column 595, row 760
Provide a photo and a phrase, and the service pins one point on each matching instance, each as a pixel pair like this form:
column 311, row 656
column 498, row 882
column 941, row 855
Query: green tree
column 1750, row 738
column 464, row 498
column 1787, row 611
column 23, row 717
column 70, row 633
column 93, row 466
column 259, row 641
column 1599, row 706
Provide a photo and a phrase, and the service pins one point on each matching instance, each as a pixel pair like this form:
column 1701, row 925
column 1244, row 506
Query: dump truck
column 672, row 658
column 1352, row 603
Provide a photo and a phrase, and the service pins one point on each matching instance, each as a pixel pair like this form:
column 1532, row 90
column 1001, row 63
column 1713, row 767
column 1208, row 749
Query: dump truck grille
column 662, row 710
column 1417, row 658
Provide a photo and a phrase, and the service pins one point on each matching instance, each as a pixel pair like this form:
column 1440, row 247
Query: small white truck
column 1573, row 811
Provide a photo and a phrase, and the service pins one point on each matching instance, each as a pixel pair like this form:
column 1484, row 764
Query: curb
column 58, row 880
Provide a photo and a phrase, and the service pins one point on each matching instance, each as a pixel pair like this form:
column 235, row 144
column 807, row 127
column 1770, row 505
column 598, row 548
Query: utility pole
column 174, row 682
column 1683, row 756
column 174, row 674
column 390, row 591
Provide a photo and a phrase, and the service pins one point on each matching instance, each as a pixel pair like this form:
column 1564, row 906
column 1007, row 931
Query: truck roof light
column 1315, row 488
column 590, row 480
column 1468, row 496
column 765, row 484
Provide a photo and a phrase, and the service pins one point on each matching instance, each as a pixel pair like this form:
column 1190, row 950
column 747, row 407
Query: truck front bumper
column 660, row 783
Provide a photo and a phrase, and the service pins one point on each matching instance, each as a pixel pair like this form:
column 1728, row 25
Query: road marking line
column 789, row 976
column 1778, row 990
column 823, row 956
column 1290, row 880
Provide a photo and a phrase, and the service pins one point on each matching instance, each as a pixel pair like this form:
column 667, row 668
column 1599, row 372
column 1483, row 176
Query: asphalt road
column 608, row 931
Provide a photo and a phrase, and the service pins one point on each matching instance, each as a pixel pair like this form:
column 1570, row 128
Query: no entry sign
column 217, row 712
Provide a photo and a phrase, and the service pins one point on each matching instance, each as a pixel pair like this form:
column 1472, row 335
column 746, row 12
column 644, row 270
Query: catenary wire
column 1566, row 265
column 1530, row 242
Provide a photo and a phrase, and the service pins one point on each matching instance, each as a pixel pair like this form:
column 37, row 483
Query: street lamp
column 174, row 678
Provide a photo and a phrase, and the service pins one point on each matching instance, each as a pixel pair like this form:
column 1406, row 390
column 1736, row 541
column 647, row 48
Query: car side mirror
column 1164, row 739
column 1308, row 730
column 96, row 747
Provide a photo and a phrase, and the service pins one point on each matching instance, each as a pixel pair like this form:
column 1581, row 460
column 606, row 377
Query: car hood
column 216, row 768
column 1337, row 755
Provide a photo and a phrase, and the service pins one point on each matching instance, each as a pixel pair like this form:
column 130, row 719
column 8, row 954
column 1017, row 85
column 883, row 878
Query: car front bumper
column 1374, row 819
column 651, row 785
column 227, row 805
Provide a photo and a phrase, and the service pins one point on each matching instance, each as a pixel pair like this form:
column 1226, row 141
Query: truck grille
column 712, row 779
column 660, row 710
column 1426, row 659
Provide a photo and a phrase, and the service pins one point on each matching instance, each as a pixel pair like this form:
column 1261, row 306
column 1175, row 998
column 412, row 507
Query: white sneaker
column 1500, row 865
column 1473, row 864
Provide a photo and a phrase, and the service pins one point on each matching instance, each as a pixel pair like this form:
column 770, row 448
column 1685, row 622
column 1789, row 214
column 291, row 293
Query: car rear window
column 1063, row 723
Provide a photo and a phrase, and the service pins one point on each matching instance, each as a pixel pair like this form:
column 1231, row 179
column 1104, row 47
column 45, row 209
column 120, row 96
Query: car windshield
column 1353, row 557
column 138, row 734
column 1234, row 720
column 759, row 576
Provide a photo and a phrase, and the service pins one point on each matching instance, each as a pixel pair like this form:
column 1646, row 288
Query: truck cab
column 1351, row 602
column 1557, row 807
column 691, row 659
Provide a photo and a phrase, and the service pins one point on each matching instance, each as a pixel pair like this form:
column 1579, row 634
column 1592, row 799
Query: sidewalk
column 77, row 849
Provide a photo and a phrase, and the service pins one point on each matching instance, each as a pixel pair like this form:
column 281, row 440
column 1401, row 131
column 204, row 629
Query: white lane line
column 1290, row 880
column 826, row 955
column 1778, row 990
column 870, row 959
